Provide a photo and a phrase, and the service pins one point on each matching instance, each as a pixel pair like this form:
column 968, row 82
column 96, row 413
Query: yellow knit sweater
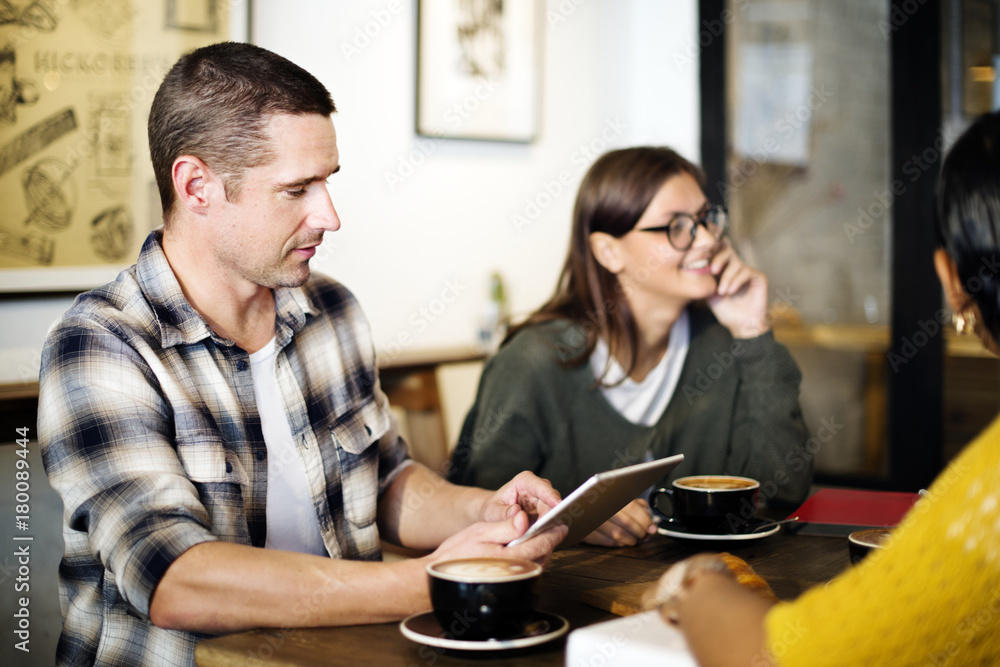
column 930, row 598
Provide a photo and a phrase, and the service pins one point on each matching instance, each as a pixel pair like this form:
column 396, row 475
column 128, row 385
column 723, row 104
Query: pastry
column 746, row 577
column 667, row 592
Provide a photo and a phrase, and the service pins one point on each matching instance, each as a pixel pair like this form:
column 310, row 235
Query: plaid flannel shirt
column 150, row 433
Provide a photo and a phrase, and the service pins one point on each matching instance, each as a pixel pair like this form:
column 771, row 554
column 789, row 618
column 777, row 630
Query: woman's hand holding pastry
column 670, row 591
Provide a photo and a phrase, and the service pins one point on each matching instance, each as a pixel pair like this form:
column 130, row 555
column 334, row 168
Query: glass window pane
column 809, row 192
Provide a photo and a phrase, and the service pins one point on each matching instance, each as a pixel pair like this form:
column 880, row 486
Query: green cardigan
column 735, row 411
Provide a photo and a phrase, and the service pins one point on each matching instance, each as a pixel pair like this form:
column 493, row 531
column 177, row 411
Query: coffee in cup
column 484, row 598
column 708, row 504
column 861, row 542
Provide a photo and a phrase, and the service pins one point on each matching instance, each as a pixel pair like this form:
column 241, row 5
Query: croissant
column 746, row 577
column 670, row 587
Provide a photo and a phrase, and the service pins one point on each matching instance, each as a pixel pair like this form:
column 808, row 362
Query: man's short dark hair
column 214, row 104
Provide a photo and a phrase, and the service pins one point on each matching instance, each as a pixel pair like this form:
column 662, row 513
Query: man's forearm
column 421, row 509
column 219, row 587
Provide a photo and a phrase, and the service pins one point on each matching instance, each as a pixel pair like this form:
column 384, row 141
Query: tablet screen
column 600, row 498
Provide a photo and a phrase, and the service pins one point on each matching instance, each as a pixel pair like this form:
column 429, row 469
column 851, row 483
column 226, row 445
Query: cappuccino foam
column 875, row 537
column 484, row 569
column 716, row 483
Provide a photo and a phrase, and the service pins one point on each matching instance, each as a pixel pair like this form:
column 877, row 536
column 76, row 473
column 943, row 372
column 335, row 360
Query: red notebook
column 842, row 511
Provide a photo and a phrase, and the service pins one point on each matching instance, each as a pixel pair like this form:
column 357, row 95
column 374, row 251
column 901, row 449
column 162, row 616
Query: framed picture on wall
column 76, row 83
column 479, row 69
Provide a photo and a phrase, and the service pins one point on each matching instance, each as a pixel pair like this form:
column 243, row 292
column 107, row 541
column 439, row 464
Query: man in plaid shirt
column 213, row 419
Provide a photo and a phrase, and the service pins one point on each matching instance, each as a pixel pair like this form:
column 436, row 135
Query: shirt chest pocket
column 356, row 440
column 220, row 479
column 208, row 460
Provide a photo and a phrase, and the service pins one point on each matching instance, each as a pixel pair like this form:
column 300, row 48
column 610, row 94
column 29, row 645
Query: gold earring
column 965, row 322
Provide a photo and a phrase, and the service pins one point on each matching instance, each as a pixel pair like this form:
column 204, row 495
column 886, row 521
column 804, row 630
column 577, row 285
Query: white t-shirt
column 643, row 402
column 292, row 524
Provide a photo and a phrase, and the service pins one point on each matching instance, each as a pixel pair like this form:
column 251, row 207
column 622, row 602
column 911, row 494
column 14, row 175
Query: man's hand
column 421, row 510
column 632, row 524
column 489, row 539
column 531, row 495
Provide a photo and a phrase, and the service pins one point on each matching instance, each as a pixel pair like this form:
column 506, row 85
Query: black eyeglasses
column 683, row 227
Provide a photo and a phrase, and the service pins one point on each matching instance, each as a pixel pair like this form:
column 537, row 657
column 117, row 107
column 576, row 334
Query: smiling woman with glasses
column 656, row 342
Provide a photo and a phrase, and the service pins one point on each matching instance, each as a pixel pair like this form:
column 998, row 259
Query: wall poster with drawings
column 77, row 77
column 479, row 69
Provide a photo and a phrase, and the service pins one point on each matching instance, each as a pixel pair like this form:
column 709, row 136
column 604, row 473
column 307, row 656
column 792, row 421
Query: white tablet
column 600, row 498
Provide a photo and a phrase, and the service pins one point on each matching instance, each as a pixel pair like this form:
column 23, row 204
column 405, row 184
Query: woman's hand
column 719, row 603
column 671, row 589
column 674, row 586
column 740, row 301
column 628, row 527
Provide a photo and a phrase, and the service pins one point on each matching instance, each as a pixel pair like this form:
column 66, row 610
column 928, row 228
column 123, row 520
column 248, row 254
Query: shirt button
column 260, row 454
column 229, row 466
column 241, row 365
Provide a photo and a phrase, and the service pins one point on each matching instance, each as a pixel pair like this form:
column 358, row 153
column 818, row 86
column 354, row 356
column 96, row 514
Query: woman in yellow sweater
column 932, row 595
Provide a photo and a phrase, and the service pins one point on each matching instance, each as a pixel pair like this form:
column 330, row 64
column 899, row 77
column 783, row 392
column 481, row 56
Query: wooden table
column 791, row 564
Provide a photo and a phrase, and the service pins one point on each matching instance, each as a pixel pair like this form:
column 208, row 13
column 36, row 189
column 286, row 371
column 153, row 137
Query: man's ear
column 193, row 181
column 607, row 251
column 947, row 273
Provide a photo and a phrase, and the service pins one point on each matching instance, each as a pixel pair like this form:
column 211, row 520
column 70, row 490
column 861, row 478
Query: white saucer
column 424, row 628
column 711, row 537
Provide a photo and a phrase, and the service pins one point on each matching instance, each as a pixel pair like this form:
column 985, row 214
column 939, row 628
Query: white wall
column 24, row 324
column 607, row 64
